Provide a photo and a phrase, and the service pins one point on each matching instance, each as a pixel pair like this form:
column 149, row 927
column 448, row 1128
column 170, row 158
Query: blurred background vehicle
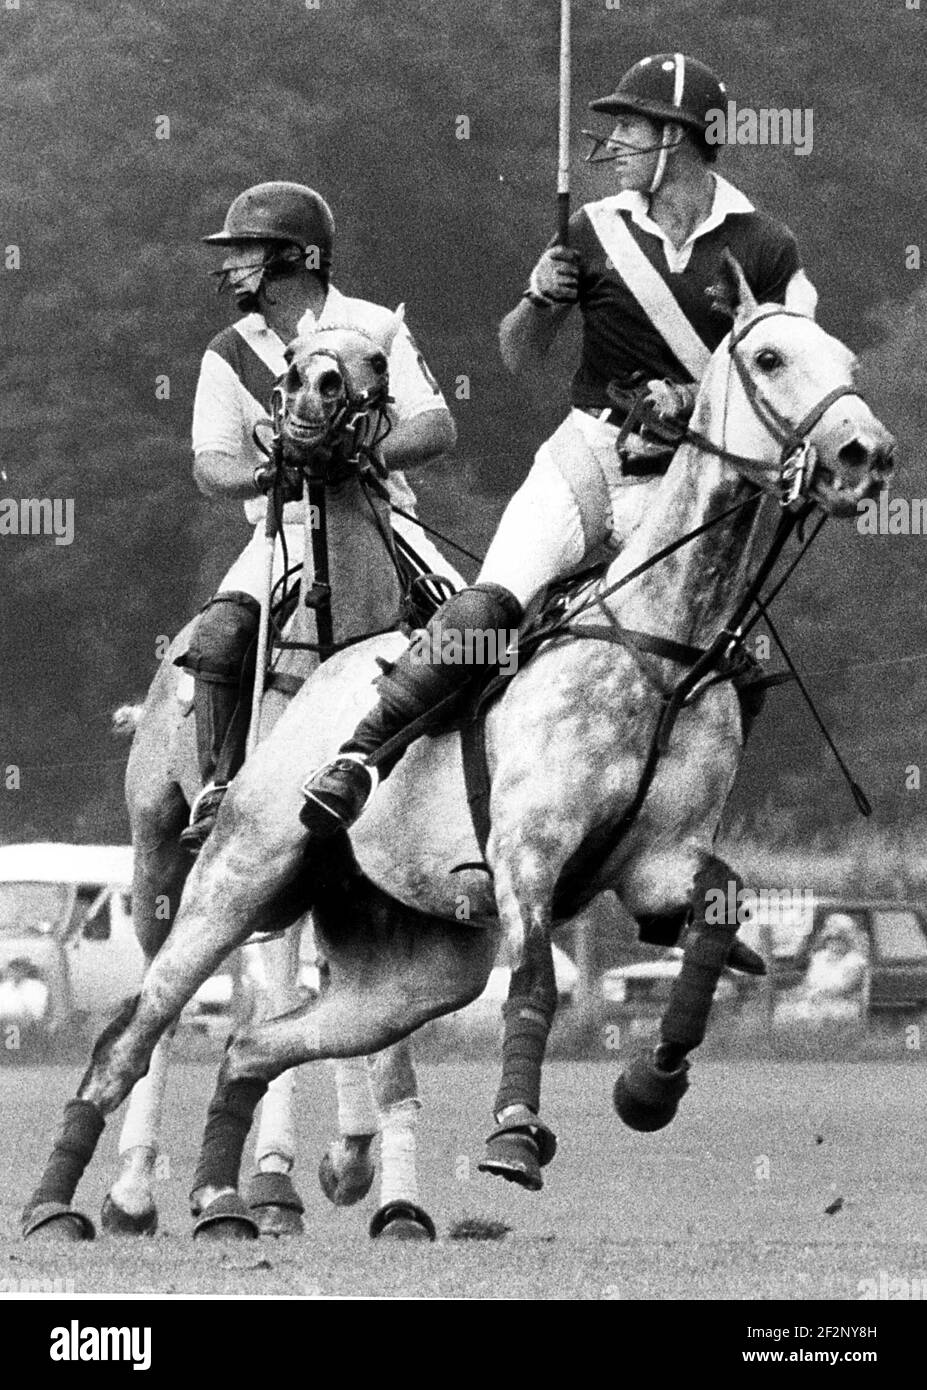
column 68, row 954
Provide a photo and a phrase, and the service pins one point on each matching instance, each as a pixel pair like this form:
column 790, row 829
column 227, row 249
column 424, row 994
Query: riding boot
column 220, row 713
column 469, row 632
column 221, row 657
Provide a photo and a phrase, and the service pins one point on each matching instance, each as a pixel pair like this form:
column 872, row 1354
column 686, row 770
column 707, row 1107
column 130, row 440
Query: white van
column 66, row 939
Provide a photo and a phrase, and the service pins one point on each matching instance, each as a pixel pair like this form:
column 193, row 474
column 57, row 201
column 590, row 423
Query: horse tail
column 125, row 720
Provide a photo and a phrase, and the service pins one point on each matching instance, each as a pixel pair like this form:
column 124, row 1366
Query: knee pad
column 466, row 623
column 223, row 638
column 481, row 606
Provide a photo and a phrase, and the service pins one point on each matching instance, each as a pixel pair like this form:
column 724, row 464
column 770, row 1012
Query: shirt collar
column 727, row 200
column 334, row 301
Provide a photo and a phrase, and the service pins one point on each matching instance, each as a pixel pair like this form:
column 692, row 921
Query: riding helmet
column 667, row 87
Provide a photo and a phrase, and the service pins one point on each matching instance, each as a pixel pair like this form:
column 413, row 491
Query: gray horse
column 408, row 930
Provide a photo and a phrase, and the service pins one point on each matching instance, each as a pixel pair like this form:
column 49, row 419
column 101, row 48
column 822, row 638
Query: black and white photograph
column 463, row 690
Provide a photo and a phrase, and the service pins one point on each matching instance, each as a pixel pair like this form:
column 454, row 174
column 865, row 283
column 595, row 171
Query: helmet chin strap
column 665, row 147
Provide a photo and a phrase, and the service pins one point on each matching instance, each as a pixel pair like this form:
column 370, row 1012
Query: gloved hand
column 265, row 475
column 670, row 400
column 555, row 278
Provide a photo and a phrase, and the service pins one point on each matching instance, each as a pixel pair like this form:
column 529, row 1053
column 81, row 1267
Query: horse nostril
column 854, row 454
column 330, row 383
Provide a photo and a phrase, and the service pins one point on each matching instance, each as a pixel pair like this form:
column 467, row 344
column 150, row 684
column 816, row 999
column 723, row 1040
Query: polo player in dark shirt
column 639, row 265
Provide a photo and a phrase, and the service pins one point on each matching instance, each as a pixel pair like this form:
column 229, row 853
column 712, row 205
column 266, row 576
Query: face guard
column 606, row 149
column 245, row 268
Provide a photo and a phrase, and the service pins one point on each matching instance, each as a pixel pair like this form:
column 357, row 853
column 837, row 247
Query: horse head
column 784, row 389
column 330, row 404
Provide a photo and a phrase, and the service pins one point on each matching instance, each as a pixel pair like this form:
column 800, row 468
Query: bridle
column 358, row 426
column 797, row 457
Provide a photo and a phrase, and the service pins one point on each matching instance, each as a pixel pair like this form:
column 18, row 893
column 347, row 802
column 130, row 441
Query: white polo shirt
column 241, row 363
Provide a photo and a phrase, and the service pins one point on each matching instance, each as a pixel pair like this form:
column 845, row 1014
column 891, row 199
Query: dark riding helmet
column 667, row 87
column 289, row 213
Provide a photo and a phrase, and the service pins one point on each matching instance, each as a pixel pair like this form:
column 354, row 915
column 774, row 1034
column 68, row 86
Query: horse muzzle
column 855, row 471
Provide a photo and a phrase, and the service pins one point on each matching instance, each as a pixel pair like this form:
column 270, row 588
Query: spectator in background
column 24, row 995
column 836, row 984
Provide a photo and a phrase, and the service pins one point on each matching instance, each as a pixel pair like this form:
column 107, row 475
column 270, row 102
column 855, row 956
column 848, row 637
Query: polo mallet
column 563, row 152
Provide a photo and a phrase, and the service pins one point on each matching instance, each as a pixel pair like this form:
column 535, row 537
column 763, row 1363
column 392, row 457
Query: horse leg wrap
column 74, row 1148
column 686, row 1017
column 228, row 1123
column 527, row 1028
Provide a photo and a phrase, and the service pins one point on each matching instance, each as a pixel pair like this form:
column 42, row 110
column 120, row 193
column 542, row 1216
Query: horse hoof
column 515, row 1158
column 226, row 1218
column 118, row 1222
column 517, row 1150
column 402, row 1221
column 275, row 1205
column 349, row 1183
column 647, row 1098
column 57, row 1221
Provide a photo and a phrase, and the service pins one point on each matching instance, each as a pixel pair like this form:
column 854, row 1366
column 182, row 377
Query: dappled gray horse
column 571, row 744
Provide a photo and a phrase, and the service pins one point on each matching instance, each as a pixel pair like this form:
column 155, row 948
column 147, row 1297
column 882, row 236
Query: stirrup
column 203, row 814
column 328, row 809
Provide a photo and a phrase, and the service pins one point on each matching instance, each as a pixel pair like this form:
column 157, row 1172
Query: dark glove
column 265, row 476
column 555, row 278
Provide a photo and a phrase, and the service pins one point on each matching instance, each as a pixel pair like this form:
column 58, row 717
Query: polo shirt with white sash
column 620, row 336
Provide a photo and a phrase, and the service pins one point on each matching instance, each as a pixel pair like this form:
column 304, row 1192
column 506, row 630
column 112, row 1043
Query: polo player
column 279, row 239
column 639, row 264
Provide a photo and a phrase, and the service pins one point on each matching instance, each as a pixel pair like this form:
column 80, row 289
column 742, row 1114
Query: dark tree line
column 109, row 311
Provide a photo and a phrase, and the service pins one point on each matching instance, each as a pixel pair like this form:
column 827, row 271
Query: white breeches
column 541, row 536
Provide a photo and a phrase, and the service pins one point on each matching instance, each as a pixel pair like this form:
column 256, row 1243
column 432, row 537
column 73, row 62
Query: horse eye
column 330, row 383
column 768, row 360
column 293, row 380
column 378, row 363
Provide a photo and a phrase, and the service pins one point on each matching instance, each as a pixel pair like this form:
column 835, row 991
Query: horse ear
column 396, row 322
column 730, row 294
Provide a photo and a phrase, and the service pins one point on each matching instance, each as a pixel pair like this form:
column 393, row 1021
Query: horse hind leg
column 271, row 1195
column 347, row 1169
column 399, row 1215
column 648, row 1092
column 391, row 969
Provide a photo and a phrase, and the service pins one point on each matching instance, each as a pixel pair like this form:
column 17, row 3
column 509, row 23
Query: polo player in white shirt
column 279, row 238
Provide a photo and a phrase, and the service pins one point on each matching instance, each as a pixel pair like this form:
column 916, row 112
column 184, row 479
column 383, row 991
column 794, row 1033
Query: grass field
column 730, row 1202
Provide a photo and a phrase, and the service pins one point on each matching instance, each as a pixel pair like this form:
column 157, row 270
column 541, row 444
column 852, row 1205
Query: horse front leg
column 232, row 894
column 160, row 871
column 648, row 1092
column 521, row 1144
